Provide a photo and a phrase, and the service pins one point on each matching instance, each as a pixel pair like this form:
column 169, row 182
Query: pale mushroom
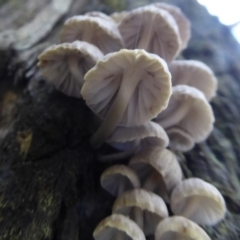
column 179, row 139
column 152, row 29
column 99, row 15
column 179, row 228
column 64, row 65
column 145, row 208
column 126, row 88
column 189, row 110
column 118, row 179
column 196, row 74
column 184, row 25
column 118, row 227
column 158, row 170
column 118, row 16
column 100, row 32
column 198, row 201
column 128, row 140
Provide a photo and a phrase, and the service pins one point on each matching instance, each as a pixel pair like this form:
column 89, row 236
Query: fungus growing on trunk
column 118, row 227
column 96, row 30
column 199, row 201
column 179, row 228
column 158, row 170
column 152, row 29
column 64, row 65
column 145, row 208
column 126, row 88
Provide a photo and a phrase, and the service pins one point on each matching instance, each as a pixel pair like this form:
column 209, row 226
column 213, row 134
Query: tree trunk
column 49, row 176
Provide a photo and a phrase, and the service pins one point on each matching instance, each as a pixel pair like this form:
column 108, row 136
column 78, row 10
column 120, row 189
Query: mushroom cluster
column 124, row 66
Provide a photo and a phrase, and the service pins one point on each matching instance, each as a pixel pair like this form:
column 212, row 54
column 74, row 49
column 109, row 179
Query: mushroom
column 179, row 139
column 145, row 208
column 118, row 179
column 198, row 201
column 184, row 25
column 118, row 227
column 179, row 228
column 152, row 29
column 130, row 139
column 196, row 74
column 126, row 88
column 158, row 170
column 100, row 32
column 64, row 65
column 99, row 15
column 188, row 110
column 118, row 16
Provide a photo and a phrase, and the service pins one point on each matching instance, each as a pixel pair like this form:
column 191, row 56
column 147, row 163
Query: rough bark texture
column 49, row 176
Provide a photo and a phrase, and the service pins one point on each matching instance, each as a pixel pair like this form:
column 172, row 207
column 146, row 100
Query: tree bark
column 49, row 176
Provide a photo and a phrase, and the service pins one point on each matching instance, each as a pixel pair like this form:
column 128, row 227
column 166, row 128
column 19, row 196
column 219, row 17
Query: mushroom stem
column 138, row 216
column 75, row 70
column 190, row 208
column 175, row 116
column 127, row 87
column 147, row 34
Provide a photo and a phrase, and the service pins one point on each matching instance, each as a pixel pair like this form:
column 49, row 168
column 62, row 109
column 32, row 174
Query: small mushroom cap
column 54, row 65
column 150, row 96
column 139, row 23
column 118, row 179
column 184, row 25
column 196, row 74
column 189, row 110
column 161, row 161
column 118, row 16
column 99, row 15
column 180, row 140
column 149, row 134
column 111, row 226
column 100, row 32
column 179, row 228
column 153, row 207
column 210, row 207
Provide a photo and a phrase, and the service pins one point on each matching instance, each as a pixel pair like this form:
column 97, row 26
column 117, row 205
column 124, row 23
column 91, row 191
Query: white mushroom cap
column 64, row 65
column 119, row 227
column 146, row 208
column 149, row 134
column 118, row 179
column 189, row 110
column 196, row 74
column 118, row 16
column 126, row 88
column 177, row 227
column 99, row 15
column 100, row 32
column 184, row 25
column 180, row 140
column 158, row 170
column 199, row 201
column 152, row 29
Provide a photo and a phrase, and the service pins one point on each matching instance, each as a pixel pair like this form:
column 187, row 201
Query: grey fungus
column 179, row 228
column 126, row 88
column 196, row 74
column 145, row 208
column 118, row 227
column 180, row 140
column 64, row 65
column 152, row 29
column 184, row 25
column 118, row 179
column 158, row 170
column 189, row 110
column 198, row 201
column 98, row 31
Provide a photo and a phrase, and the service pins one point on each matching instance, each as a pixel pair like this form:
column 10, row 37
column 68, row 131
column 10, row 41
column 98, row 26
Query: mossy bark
column 49, row 176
